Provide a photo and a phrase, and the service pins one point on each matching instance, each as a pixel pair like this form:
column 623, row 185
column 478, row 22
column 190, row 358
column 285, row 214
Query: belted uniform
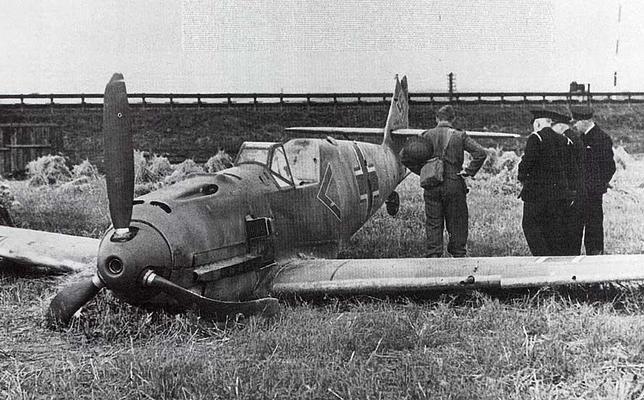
column 445, row 204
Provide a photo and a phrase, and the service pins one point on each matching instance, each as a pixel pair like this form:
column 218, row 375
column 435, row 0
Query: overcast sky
column 308, row 45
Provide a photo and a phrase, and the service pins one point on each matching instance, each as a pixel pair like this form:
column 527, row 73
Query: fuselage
column 219, row 234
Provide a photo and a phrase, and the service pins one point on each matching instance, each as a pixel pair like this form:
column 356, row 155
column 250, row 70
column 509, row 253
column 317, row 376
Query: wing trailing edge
column 50, row 252
column 377, row 276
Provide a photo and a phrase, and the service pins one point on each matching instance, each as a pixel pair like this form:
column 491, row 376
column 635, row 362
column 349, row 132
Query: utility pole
column 451, row 86
column 619, row 20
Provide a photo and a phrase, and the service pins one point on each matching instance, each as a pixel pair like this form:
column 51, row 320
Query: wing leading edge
column 372, row 276
column 52, row 252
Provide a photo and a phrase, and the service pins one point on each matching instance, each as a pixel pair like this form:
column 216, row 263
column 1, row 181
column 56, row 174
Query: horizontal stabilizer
column 335, row 131
column 396, row 132
column 493, row 135
column 52, row 252
column 406, row 275
column 475, row 134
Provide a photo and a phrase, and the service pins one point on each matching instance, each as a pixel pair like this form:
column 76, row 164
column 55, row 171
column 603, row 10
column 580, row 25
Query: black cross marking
column 367, row 179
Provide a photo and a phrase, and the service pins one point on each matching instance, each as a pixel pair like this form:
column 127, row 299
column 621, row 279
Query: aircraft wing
column 407, row 275
column 395, row 132
column 51, row 252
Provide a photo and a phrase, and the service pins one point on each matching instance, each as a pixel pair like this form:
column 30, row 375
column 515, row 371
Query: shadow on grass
column 618, row 296
column 11, row 271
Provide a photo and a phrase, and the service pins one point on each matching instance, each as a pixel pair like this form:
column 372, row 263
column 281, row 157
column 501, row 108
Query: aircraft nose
column 121, row 263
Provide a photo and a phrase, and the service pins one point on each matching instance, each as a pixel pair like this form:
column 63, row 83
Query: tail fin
column 395, row 130
column 398, row 117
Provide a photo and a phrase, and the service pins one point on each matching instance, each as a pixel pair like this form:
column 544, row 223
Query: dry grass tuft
column 218, row 162
column 85, row 169
column 150, row 168
column 48, row 170
column 183, row 170
column 622, row 159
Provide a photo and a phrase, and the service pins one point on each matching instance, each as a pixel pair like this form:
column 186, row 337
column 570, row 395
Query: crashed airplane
column 229, row 242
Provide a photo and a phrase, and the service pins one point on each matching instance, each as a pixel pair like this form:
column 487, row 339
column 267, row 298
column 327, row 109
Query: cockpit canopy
column 267, row 154
column 294, row 163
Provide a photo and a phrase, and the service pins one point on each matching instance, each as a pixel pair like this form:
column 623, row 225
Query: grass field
column 583, row 342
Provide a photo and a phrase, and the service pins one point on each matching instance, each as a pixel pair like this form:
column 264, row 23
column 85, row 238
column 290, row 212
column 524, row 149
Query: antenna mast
column 619, row 20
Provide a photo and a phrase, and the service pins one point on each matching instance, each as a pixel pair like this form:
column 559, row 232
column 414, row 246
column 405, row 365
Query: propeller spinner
column 125, row 255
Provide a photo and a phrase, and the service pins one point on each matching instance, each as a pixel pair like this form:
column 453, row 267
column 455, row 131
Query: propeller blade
column 70, row 299
column 210, row 308
column 119, row 152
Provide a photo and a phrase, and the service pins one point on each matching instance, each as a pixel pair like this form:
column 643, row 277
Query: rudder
column 398, row 117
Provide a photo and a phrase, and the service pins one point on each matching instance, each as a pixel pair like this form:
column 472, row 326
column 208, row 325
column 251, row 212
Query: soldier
column 573, row 225
column 445, row 204
column 545, row 194
column 598, row 169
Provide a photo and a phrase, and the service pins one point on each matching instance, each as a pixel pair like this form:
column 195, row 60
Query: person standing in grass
column 598, row 170
column 573, row 221
column 545, row 194
column 445, row 203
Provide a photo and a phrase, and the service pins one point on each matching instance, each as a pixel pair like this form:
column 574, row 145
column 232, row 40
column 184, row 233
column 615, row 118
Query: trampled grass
column 583, row 342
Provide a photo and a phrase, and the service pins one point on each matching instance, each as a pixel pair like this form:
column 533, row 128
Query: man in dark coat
column 445, row 204
column 545, row 193
column 598, row 169
column 573, row 216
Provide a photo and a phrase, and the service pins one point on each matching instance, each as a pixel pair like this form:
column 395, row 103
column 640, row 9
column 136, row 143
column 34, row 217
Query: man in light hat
column 598, row 169
column 445, row 203
column 545, row 194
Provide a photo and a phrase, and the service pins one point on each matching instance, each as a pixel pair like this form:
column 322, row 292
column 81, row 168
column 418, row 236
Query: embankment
column 190, row 132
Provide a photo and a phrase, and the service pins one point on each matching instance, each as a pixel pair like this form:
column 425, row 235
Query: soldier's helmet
column 416, row 151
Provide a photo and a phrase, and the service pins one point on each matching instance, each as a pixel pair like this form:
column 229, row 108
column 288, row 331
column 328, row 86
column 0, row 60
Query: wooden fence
column 312, row 99
column 23, row 142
